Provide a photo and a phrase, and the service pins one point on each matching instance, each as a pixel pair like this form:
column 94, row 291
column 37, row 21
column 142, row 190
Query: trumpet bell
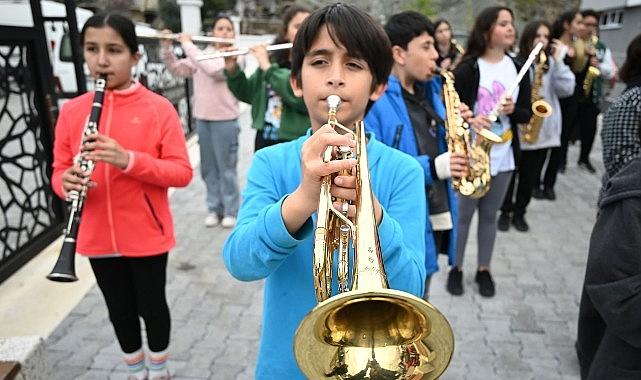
column 383, row 334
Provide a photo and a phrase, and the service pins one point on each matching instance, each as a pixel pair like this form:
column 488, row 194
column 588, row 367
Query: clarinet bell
column 64, row 270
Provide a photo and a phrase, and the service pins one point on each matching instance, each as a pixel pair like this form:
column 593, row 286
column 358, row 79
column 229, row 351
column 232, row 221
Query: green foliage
column 169, row 13
column 213, row 8
column 425, row 7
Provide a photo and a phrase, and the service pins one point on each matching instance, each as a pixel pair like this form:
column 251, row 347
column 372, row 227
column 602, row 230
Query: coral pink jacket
column 127, row 212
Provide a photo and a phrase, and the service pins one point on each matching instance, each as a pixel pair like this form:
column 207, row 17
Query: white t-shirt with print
column 495, row 78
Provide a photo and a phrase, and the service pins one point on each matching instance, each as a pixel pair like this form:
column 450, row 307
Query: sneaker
column 211, row 220
column 228, row 221
column 586, row 165
column 504, row 222
column 165, row 376
column 162, row 377
column 538, row 194
column 486, row 285
column 455, row 281
column 549, row 193
column 518, row 221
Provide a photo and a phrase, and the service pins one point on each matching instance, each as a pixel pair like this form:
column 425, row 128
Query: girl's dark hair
column 632, row 66
column 440, row 21
column 527, row 38
column 403, row 27
column 218, row 18
column 282, row 56
column 558, row 27
column 478, row 41
column 116, row 21
column 352, row 28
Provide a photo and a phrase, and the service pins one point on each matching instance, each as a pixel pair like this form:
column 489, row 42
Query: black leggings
column 135, row 287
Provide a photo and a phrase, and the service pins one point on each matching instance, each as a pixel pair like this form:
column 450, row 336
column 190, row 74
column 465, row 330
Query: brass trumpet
column 369, row 329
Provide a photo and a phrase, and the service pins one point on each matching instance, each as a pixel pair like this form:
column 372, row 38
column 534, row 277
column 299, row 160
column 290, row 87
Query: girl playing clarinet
column 126, row 228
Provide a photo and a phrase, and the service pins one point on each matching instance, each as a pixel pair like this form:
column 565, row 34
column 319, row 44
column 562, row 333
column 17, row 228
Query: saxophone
column 477, row 182
column 540, row 108
column 593, row 72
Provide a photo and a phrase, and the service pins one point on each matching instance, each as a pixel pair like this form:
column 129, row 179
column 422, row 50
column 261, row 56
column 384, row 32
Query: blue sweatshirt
column 260, row 247
column 390, row 121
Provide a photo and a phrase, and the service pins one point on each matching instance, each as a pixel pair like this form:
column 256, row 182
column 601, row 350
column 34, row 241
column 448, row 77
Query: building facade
column 620, row 22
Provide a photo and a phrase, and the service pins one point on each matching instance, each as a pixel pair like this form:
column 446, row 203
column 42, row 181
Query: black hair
column 403, row 27
column 558, row 26
column 440, row 21
column 591, row 13
column 478, row 41
column 631, row 68
column 527, row 38
column 352, row 28
column 281, row 57
column 116, row 21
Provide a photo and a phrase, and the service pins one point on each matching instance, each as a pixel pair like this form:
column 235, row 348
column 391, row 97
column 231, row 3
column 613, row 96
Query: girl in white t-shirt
column 483, row 76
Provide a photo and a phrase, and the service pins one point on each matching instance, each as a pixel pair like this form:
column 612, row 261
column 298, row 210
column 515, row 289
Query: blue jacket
column 390, row 121
column 260, row 247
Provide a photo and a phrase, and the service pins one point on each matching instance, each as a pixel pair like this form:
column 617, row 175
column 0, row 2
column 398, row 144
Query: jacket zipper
column 110, row 216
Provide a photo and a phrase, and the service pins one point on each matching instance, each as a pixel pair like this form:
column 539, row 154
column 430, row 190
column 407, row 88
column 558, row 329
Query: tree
column 214, row 8
column 530, row 10
column 426, row 7
column 169, row 13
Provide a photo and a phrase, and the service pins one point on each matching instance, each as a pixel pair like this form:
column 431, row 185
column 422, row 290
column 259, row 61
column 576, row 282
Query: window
column 612, row 19
column 65, row 49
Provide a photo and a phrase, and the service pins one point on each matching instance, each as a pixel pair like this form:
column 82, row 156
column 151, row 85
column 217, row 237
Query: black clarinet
column 65, row 269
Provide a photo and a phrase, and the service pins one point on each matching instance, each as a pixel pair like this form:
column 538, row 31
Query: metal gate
column 32, row 215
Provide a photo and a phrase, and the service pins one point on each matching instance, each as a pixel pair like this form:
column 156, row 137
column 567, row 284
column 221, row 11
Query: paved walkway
column 525, row 332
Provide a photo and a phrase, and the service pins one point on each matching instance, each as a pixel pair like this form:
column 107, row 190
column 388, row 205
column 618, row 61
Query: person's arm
column 181, row 67
column 278, row 79
column 242, row 87
column 523, row 107
column 171, row 168
column 613, row 279
column 402, row 230
column 260, row 241
column 270, row 226
column 62, row 154
column 212, row 67
column 562, row 79
column 607, row 65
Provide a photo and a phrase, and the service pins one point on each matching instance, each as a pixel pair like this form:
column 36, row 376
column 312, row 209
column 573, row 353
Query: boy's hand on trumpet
column 299, row 206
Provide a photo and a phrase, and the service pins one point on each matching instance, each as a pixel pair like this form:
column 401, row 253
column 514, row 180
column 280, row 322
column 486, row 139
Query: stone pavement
column 527, row 331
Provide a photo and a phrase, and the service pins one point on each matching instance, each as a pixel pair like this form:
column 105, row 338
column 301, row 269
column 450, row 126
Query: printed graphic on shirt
column 486, row 99
column 272, row 115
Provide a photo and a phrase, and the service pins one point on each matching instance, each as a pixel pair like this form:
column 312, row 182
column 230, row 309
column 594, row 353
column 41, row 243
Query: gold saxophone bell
column 540, row 108
column 366, row 330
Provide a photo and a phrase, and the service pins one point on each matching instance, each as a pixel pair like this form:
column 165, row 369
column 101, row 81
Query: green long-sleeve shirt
column 294, row 120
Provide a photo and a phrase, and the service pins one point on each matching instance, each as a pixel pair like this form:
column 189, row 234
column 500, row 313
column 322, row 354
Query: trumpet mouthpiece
column 333, row 101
